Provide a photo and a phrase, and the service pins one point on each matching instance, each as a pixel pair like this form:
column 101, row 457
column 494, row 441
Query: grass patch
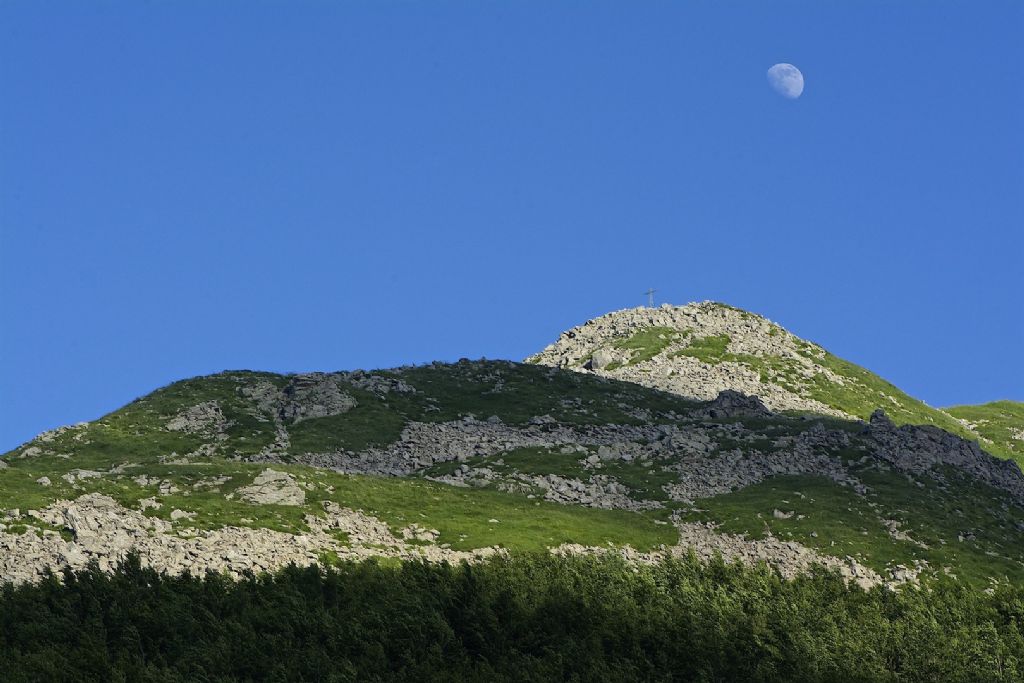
column 648, row 343
column 644, row 482
column 1001, row 423
column 371, row 423
column 711, row 350
column 461, row 515
column 837, row 521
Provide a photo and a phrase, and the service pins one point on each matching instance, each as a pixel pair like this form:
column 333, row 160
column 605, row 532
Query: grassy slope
column 447, row 392
column 462, row 515
column 1000, row 422
column 860, row 393
column 964, row 525
column 134, row 436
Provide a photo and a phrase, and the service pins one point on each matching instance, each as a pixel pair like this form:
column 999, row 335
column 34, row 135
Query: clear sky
column 187, row 187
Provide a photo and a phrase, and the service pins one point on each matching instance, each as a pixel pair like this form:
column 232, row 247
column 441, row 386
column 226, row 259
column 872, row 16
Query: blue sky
column 187, row 187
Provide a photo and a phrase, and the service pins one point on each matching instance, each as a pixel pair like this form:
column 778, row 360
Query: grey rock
column 602, row 358
column 205, row 419
column 731, row 403
column 271, row 487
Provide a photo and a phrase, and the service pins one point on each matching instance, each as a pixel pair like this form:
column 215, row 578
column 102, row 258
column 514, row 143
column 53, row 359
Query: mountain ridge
column 700, row 348
column 248, row 471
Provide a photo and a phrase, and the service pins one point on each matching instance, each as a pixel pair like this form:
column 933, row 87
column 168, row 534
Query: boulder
column 271, row 487
column 731, row 403
column 602, row 358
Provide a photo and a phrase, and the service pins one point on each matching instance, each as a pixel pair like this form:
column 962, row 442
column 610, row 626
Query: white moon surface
column 787, row 80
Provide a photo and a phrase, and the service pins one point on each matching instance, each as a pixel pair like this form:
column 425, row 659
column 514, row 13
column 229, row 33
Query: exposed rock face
column 706, row 477
column 105, row 532
column 788, row 557
column 314, row 395
column 599, row 492
column 306, row 396
column 204, row 419
column 731, row 403
column 592, row 347
column 703, row 472
column 378, row 384
column 271, row 487
column 602, row 358
column 918, row 449
column 423, row 444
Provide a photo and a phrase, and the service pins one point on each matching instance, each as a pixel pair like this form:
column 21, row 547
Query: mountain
column 646, row 433
column 701, row 348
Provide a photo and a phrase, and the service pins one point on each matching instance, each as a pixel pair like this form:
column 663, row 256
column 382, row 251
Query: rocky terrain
column 660, row 348
column 105, row 532
column 702, row 348
column 648, row 432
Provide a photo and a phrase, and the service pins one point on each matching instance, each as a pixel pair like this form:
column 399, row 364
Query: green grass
column 371, row 423
column 541, row 461
column 839, row 522
column 1001, row 422
column 461, row 515
column 862, row 392
column 513, row 392
column 644, row 482
column 526, row 391
column 865, row 391
column 648, row 343
column 535, row 461
column 710, row 350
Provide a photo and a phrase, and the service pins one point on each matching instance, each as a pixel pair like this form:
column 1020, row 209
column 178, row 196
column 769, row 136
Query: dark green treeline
column 520, row 619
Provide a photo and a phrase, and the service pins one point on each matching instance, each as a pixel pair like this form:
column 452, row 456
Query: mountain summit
column 700, row 349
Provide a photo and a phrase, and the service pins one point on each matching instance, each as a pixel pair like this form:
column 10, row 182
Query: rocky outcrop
column 595, row 347
column 314, row 395
column 920, row 449
column 731, row 403
column 204, row 419
column 423, row 444
column 789, row 558
column 271, row 487
column 305, row 396
column 104, row 532
column 734, row 471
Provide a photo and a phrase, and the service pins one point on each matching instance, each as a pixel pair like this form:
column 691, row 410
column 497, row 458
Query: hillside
column 700, row 349
column 999, row 426
column 251, row 471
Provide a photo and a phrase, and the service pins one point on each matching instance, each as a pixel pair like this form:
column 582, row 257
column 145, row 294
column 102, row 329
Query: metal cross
column 650, row 297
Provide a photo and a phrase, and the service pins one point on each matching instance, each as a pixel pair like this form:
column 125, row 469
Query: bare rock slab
column 271, row 487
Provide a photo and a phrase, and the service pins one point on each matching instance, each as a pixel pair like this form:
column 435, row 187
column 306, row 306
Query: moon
column 786, row 80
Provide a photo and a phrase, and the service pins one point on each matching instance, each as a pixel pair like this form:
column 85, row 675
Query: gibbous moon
column 787, row 80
